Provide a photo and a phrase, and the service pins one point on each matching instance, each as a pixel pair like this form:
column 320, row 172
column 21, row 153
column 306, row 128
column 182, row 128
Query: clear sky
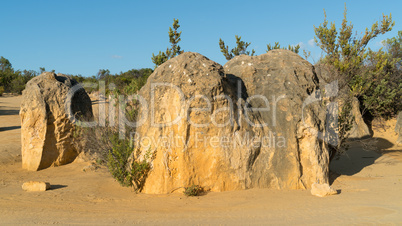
column 81, row 37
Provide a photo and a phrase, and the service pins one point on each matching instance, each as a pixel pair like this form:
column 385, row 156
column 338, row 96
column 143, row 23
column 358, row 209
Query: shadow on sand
column 9, row 112
column 9, row 128
column 57, row 186
column 362, row 153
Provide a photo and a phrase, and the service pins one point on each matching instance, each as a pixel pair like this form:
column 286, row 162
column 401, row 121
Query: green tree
column 346, row 52
column 384, row 75
column 240, row 49
column 174, row 50
column 360, row 72
column 5, row 64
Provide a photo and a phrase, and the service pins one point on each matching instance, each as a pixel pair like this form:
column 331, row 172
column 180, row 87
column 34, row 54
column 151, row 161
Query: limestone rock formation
column 359, row 129
column 288, row 83
column 46, row 120
column 193, row 115
column 201, row 125
column 398, row 128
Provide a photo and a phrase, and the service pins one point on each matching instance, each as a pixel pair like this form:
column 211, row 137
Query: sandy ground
column 369, row 182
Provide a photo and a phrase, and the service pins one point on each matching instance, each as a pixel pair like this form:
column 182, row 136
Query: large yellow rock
column 200, row 125
column 46, row 125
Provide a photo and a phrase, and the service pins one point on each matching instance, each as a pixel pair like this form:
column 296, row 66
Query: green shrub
column 1, row 90
column 361, row 73
column 118, row 161
column 121, row 162
column 193, row 190
column 126, row 170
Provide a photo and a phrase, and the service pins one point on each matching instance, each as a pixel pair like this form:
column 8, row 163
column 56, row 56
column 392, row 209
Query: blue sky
column 81, row 37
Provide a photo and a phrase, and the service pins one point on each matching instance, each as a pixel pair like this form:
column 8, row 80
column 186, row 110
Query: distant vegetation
column 128, row 82
column 12, row 81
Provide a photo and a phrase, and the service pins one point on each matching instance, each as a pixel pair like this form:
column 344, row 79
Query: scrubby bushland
column 371, row 76
column 125, row 82
column 12, row 81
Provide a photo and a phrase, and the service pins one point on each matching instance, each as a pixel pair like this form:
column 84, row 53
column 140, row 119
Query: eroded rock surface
column 284, row 83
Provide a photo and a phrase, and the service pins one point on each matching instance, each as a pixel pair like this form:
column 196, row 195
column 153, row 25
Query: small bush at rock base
column 139, row 173
column 126, row 171
column 117, row 162
column 193, row 190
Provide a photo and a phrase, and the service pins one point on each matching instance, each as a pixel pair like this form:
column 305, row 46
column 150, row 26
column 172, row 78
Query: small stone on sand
column 35, row 186
column 322, row 190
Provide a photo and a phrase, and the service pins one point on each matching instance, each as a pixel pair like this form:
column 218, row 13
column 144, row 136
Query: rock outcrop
column 201, row 124
column 398, row 128
column 46, row 120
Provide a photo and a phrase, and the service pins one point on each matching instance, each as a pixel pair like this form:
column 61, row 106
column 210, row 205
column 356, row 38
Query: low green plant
column 1, row 90
column 193, row 190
